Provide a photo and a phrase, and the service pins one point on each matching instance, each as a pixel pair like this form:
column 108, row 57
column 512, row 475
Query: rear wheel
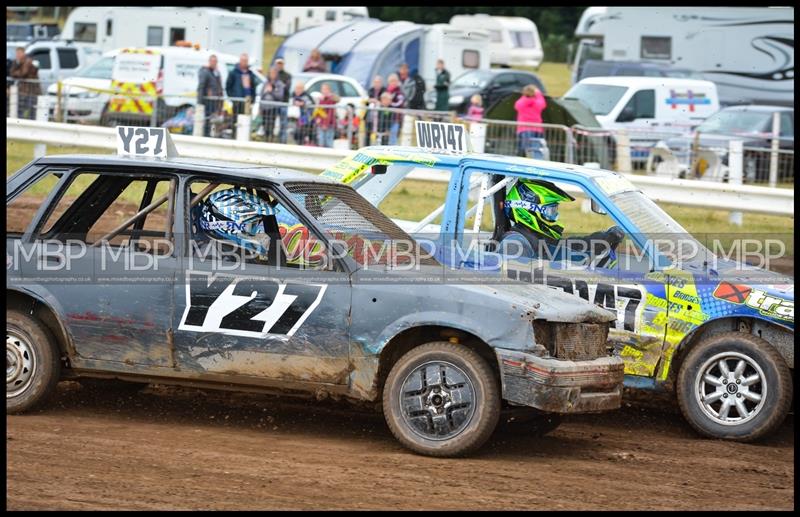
column 32, row 362
column 734, row 386
column 441, row 399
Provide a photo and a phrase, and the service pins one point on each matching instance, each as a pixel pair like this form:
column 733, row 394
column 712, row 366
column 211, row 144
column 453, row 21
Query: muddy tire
column 528, row 422
column 734, row 386
column 441, row 399
column 33, row 368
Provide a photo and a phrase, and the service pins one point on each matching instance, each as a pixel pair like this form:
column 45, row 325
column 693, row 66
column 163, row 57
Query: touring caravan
column 747, row 51
column 220, row 30
column 288, row 20
column 367, row 48
column 513, row 40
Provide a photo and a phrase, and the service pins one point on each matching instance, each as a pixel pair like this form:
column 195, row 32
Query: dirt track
column 187, row 449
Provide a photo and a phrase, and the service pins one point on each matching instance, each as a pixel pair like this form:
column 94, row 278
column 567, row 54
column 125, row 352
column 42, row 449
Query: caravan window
column 176, row 34
column 330, row 16
column 155, row 36
column 108, row 27
column 656, row 47
column 85, row 32
column 522, row 39
column 470, row 59
column 495, row 36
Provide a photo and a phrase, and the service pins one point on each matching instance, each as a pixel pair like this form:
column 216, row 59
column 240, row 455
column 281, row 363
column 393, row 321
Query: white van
column 513, row 40
column 649, row 108
column 108, row 28
column 170, row 73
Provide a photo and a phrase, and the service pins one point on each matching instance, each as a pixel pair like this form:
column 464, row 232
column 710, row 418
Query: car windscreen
column 347, row 217
column 473, row 79
column 736, row 121
column 101, row 69
column 599, row 98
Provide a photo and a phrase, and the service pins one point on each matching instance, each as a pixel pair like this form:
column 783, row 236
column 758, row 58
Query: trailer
column 288, row 20
column 220, row 30
column 513, row 40
column 747, row 51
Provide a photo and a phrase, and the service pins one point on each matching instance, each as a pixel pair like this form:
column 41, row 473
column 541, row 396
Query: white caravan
column 747, row 51
column 288, row 20
column 220, row 30
column 460, row 49
column 513, row 40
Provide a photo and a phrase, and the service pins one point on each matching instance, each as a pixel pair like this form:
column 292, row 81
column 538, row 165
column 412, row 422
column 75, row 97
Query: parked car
column 717, row 333
column 85, row 95
column 347, row 89
column 752, row 125
column 301, row 299
column 492, row 85
column 598, row 68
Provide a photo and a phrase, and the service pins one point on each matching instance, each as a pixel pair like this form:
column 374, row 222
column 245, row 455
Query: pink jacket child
column 529, row 109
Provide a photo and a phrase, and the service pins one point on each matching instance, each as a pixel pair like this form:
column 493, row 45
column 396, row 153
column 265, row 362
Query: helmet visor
column 549, row 212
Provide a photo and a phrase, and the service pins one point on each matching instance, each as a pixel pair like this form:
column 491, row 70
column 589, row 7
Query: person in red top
column 530, row 133
column 325, row 117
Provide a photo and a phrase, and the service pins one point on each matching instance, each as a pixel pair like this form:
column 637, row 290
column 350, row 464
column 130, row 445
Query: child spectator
column 475, row 111
column 384, row 120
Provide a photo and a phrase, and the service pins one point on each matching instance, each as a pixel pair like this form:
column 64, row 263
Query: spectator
column 413, row 88
column 442, row 87
column 530, row 134
column 286, row 77
column 241, row 85
column 209, row 91
column 27, row 76
column 349, row 125
column 398, row 101
column 374, row 95
column 315, row 63
column 384, row 119
column 475, row 111
column 325, row 118
column 301, row 104
column 272, row 94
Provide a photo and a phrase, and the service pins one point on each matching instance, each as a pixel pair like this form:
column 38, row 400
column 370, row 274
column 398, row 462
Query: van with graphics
column 158, row 78
column 647, row 107
column 716, row 332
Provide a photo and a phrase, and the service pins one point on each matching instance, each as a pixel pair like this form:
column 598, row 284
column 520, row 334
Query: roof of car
column 431, row 158
column 758, row 107
column 240, row 170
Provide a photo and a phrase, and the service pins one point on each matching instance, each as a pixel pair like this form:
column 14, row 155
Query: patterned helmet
column 534, row 204
column 236, row 216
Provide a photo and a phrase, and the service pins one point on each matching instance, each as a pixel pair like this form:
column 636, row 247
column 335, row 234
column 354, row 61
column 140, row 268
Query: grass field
column 415, row 199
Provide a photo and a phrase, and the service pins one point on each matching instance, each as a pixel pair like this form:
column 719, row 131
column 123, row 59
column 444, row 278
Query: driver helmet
column 534, row 205
column 235, row 216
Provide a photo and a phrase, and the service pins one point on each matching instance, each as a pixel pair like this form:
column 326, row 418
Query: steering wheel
column 615, row 236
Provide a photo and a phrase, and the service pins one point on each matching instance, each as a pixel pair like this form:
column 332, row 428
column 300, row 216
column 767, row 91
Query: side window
column 641, row 105
column 470, row 59
column 67, row 58
column 21, row 209
column 85, row 32
column 408, row 198
column 524, row 80
column 43, row 57
column 787, row 125
column 348, row 90
column 505, row 81
column 111, row 208
column 316, row 87
column 252, row 241
column 656, row 47
column 155, row 36
column 176, row 34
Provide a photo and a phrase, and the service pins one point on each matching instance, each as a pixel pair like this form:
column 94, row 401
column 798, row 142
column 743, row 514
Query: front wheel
column 32, row 362
column 441, row 399
column 734, row 386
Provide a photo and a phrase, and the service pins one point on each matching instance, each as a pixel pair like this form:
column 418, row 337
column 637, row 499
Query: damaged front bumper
column 561, row 386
